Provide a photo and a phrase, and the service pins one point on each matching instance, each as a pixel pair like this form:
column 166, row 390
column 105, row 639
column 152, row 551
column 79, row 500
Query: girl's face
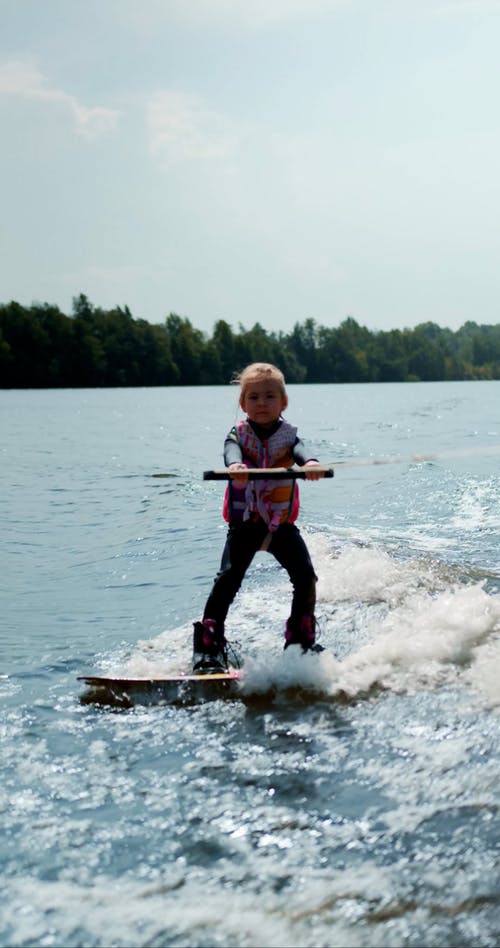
column 263, row 402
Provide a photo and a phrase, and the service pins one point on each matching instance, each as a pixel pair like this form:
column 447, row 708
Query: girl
column 261, row 515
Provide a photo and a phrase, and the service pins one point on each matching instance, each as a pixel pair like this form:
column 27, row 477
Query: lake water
column 365, row 817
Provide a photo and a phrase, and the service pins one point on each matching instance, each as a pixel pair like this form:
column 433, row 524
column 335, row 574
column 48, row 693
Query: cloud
column 468, row 6
column 228, row 14
column 257, row 14
column 182, row 127
column 114, row 275
column 23, row 79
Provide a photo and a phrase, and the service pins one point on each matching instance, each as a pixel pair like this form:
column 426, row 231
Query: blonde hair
column 261, row 372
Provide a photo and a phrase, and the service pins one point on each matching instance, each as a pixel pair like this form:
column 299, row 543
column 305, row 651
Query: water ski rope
column 327, row 470
column 421, row 458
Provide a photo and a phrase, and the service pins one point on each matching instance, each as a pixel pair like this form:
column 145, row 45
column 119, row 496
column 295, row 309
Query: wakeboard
column 189, row 689
column 172, row 689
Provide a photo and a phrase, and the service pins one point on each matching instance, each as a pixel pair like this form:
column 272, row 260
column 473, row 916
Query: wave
column 386, row 624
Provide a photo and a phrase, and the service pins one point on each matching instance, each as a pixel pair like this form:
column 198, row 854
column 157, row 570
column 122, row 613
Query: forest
column 41, row 347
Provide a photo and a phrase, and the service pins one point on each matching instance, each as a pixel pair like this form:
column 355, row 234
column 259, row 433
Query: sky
column 264, row 161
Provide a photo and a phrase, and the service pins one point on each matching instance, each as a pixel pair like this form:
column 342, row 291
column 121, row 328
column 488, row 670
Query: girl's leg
column 242, row 543
column 289, row 548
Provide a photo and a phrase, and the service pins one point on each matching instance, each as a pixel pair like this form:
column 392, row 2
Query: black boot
column 302, row 633
column 209, row 648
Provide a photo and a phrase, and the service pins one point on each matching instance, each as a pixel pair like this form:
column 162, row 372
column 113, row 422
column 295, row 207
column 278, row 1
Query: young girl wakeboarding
column 261, row 515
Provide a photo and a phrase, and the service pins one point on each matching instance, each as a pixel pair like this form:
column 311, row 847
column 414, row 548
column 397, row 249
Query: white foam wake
column 390, row 624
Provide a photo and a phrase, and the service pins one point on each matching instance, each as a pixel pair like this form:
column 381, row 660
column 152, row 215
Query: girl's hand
column 239, row 473
column 311, row 474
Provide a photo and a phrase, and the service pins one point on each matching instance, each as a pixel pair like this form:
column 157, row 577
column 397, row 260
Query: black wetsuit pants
column 242, row 543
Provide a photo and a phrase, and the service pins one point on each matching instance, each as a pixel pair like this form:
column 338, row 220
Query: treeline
column 41, row 347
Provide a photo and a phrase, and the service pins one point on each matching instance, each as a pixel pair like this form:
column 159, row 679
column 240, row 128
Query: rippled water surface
column 365, row 814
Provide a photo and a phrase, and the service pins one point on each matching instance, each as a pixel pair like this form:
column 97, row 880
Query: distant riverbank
column 41, row 347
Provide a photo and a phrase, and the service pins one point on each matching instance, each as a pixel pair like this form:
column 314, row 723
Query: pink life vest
column 275, row 501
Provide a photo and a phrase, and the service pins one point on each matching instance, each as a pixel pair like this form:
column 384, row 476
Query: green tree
column 187, row 345
column 303, row 343
column 223, row 341
column 82, row 308
column 41, row 346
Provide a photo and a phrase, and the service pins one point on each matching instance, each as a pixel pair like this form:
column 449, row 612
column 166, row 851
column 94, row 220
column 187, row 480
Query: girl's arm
column 300, row 457
column 233, row 458
column 232, row 449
